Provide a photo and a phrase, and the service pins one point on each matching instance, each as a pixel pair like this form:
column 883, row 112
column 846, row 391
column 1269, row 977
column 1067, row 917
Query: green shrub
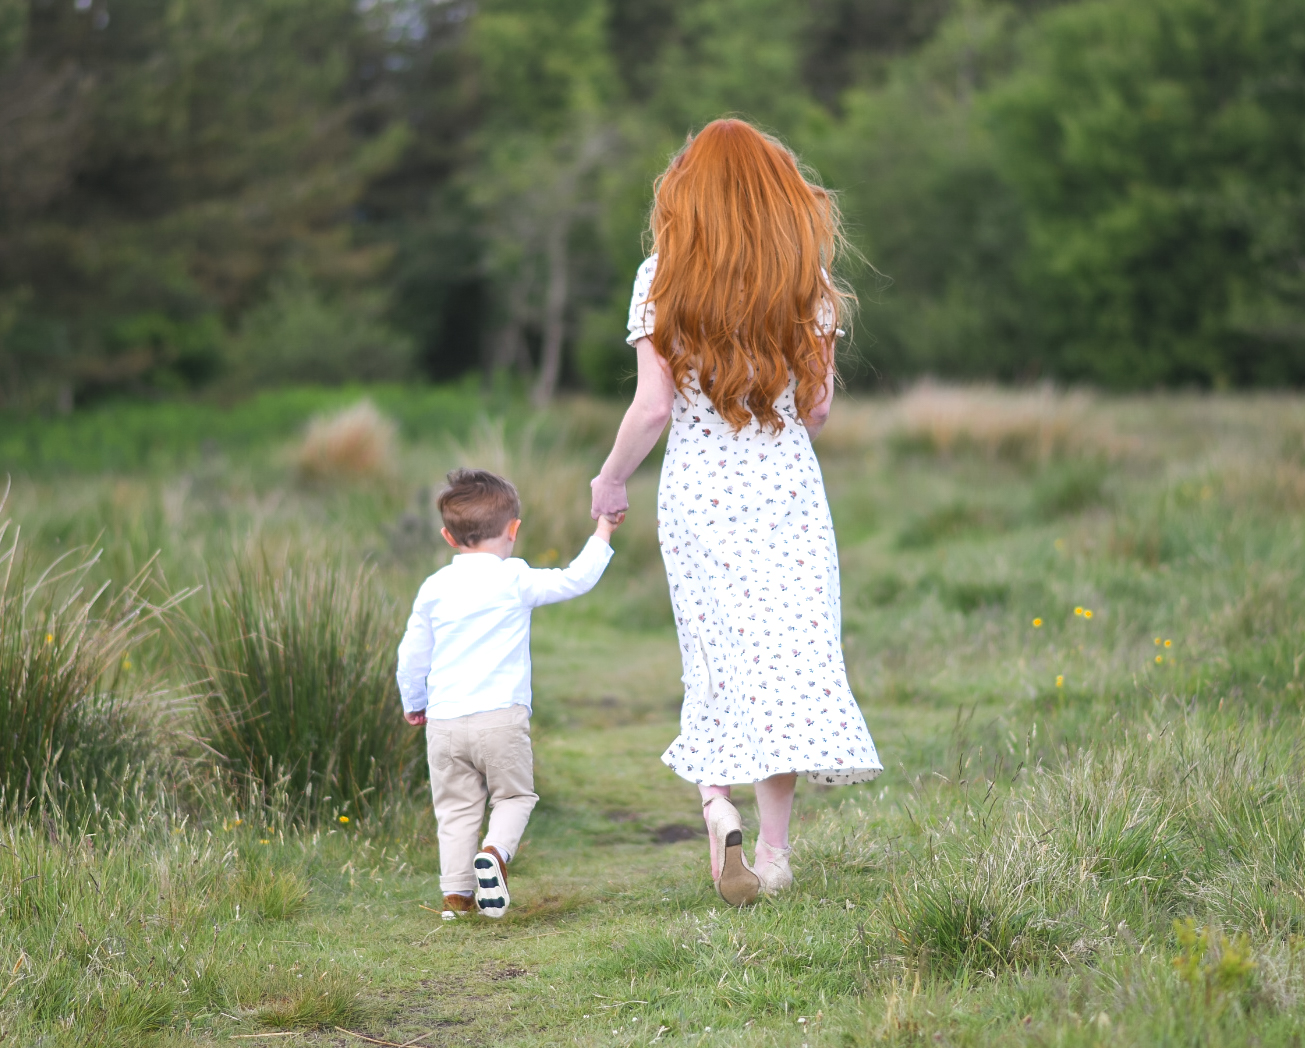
column 297, row 335
column 69, row 740
column 296, row 662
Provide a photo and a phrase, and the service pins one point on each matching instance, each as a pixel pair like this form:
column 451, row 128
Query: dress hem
column 818, row 776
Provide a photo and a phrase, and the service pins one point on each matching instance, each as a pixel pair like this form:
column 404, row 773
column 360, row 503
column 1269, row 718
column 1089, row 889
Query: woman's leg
column 709, row 793
column 775, row 802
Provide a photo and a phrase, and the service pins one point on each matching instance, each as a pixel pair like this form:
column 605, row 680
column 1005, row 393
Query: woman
column 734, row 318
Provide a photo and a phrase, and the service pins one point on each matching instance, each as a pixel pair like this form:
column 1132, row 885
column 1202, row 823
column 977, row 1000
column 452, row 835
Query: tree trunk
column 509, row 346
column 550, row 361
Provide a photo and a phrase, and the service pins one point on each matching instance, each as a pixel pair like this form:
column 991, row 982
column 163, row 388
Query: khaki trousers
column 482, row 755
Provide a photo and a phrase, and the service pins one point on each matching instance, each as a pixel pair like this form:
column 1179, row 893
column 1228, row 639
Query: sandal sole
column 738, row 885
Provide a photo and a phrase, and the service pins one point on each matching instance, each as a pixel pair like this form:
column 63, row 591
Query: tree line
column 221, row 195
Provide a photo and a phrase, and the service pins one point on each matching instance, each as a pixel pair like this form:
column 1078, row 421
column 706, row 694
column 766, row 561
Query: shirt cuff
column 598, row 548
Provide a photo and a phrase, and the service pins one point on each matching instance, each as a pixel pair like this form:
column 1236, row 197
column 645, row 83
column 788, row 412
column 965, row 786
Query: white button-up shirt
column 467, row 648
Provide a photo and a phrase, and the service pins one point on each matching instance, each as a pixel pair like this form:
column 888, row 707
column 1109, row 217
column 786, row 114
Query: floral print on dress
column 750, row 557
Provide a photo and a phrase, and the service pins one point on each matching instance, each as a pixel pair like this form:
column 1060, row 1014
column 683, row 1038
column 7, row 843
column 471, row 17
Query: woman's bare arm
column 643, row 424
column 820, row 409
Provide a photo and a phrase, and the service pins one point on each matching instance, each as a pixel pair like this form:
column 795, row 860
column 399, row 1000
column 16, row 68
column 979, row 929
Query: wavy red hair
column 745, row 245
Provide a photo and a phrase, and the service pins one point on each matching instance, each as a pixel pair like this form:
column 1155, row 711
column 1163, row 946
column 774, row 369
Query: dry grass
column 1038, row 423
column 1032, row 424
column 357, row 443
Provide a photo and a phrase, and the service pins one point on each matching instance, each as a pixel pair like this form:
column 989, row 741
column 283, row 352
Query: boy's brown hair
column 477, row 505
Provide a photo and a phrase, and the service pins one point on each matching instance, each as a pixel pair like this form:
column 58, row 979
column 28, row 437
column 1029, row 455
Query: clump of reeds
column 69, row 692
column 295, row 664
column 357, row 443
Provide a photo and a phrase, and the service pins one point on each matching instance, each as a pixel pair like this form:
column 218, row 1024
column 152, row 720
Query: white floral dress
column 750, row 557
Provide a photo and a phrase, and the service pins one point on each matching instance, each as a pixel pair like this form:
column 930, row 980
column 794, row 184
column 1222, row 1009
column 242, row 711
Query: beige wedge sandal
column 773, row 870
column 735, row 881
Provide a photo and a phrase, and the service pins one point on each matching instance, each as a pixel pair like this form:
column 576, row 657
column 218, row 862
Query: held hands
column 609, row 499
column 606, row 527
column 415, row 719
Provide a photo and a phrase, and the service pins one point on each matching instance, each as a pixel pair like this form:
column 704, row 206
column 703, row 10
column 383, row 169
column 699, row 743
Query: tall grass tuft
column 296, row 663
column 69, row 693
column 356, row 443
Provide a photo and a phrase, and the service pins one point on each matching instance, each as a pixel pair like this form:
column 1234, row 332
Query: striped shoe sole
column 491, row 886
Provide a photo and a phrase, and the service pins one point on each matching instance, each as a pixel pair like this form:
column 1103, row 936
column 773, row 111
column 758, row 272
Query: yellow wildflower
column 1087, row 613
column 1169, row 644
column 1037, row 624
column 1060, row 680
column 344, row 818
column 1078, row 611
column 1159, row 659
column 49, row 638
column 238, row 822
column 1157, row 641
column 264, row 841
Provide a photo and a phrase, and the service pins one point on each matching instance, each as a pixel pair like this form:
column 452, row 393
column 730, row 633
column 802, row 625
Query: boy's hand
column 415, row 719
column 606, row 527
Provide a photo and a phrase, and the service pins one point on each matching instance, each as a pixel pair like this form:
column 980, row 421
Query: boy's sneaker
column 491, row 882
column 455, row 905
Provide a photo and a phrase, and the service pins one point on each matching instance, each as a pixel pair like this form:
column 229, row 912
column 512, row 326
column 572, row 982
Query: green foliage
column 603, row 357
column 295, row 336
column 163, row 160
column 1212, row 964
column 127, row 437
column 1154, row 146
column 70, row 741
column 917, row 169
column 295, row 662
column 1100, row 191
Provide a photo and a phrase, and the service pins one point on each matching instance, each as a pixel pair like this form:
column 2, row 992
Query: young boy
column 464, row 672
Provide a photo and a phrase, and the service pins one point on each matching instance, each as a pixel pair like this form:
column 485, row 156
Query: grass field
column 1076, row 627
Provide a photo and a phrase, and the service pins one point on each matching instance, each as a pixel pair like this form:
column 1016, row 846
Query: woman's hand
column 609, row 499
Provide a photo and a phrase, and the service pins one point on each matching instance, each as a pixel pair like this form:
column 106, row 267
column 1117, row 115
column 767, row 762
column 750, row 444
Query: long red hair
column 745, row 245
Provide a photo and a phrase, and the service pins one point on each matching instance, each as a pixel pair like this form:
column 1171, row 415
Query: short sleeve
column 825, row 316
column 642, row 312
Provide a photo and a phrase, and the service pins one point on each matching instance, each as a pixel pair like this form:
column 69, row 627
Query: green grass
column 1115, row 859
column 293, row 665
column 163, row 437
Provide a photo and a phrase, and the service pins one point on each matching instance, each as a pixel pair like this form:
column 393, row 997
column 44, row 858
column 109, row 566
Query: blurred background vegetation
column 218, row 196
